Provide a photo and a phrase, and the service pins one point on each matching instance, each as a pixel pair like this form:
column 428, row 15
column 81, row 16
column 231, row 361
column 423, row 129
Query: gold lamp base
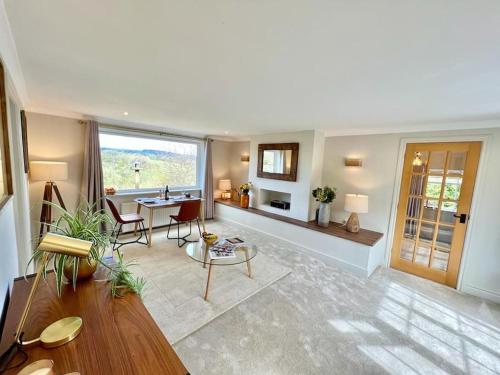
column 59, row 332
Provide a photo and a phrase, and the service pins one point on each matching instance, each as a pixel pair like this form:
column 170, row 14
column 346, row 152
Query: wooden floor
column 365, row 237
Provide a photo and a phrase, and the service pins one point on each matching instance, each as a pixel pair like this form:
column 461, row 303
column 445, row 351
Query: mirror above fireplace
column 278, row 161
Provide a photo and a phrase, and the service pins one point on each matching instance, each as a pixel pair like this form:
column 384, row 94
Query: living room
column 250, row 188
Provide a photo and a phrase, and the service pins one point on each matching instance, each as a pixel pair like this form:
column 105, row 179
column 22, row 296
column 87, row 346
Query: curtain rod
column 147, row 131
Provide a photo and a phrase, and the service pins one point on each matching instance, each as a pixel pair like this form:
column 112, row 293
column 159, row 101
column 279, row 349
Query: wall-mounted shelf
column 364, row 237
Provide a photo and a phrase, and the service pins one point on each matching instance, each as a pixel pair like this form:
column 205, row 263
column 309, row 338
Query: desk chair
column 126, row 219
column 188, row 212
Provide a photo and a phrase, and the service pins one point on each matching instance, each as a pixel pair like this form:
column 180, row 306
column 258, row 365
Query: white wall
column 9, row 259
column 59, row 139
column 377, row 177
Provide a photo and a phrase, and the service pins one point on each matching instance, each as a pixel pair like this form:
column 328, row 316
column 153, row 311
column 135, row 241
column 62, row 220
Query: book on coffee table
column 222, row 250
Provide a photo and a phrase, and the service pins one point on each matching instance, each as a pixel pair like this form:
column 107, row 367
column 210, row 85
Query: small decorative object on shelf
column 325, row 196
column 110, row 191
column 355, row 204
column 244, row 191
column 225, row 186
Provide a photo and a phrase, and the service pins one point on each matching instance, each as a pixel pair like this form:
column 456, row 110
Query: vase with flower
column 244, row 194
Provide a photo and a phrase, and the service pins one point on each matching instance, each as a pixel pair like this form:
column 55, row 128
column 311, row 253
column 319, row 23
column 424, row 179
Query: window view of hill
column 176, row 167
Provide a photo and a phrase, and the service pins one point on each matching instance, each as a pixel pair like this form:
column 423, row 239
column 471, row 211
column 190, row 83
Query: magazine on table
column 225, row 248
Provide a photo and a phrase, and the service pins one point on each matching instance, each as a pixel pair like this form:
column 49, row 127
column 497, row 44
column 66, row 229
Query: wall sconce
column 245, row 158
column 353, row 162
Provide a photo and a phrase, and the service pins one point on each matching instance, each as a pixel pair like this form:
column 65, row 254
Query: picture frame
column 6, row 190
column 24, row 135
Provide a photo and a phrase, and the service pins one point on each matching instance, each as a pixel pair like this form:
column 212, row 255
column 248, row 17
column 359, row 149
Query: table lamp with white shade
column 50, row 172
column 355, row 204
column 225, row 186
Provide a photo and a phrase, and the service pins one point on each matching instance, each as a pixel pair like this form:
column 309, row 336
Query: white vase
column 324, row 214
column 252, row 199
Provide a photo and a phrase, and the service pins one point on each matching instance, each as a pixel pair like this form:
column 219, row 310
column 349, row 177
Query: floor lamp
column 50, row 172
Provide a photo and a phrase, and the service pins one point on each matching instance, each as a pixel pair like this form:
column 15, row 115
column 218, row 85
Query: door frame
column 478, row 186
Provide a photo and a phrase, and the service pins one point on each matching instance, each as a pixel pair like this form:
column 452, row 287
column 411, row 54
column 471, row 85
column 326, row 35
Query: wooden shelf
column 364, row 236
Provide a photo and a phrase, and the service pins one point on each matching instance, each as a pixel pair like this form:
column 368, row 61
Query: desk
column 161, row 203
column 118, row 336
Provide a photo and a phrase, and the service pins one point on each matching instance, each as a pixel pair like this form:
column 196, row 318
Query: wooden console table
column 119, row 336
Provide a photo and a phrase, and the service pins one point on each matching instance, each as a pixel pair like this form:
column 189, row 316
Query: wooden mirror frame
column 292, row 176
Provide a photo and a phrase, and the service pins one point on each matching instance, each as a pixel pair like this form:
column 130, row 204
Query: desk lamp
column 63, row 330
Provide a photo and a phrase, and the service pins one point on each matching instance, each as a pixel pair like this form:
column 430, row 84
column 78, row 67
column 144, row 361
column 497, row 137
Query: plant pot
column 86, row 268
column 324, row 214
column 244, row 200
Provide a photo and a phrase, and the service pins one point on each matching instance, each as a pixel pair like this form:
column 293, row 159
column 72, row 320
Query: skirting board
column 306, row 250
column 478, row 292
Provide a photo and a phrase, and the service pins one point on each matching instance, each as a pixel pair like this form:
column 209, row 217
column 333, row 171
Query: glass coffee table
column 198, row 251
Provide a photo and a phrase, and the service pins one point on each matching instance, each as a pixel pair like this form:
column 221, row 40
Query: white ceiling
column 261, row 66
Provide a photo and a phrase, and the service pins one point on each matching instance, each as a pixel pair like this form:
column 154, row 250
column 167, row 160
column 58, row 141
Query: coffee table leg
column 249, row 267
column 206, row 254
column 208, row 280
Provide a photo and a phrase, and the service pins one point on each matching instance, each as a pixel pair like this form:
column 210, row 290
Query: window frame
column 200, row 145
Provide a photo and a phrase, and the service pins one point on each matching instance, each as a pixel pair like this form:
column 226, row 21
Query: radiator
column 161, row 215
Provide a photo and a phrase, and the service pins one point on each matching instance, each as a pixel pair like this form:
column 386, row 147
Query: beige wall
column 238, row 170
column 227, row 164
column 377, row 178
column 58, row 139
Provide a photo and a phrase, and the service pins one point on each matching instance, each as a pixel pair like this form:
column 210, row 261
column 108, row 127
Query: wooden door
column 433, row 209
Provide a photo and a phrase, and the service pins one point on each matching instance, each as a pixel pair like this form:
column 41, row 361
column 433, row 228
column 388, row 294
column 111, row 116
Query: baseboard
column 307, row 250
column 478, row 292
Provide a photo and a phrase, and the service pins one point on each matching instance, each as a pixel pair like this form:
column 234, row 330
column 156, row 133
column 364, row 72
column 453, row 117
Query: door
column 433, row 209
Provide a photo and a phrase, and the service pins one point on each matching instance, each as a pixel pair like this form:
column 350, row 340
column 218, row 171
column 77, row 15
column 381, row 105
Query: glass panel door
column 437, row 184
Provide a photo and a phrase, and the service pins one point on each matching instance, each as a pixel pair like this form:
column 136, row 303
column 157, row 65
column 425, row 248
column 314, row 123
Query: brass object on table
column 86, row 268
column 41, row 367
column 60, row 332
column 66, row 329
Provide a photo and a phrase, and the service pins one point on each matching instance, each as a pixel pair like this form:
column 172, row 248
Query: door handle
column 463, row 217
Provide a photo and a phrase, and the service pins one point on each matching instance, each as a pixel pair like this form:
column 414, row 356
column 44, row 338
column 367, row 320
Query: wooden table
column 162, row 204
column 119, row 336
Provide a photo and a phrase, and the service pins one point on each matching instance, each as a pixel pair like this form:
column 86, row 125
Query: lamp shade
column 56, row 243
column 48, row 171
column 356, row 203
column 224, row 184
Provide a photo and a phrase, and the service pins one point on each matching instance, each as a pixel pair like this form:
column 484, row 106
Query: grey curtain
column 92, row 189
column 208, row 188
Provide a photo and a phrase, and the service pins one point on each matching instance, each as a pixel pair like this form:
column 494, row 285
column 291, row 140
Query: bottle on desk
column 166, row 192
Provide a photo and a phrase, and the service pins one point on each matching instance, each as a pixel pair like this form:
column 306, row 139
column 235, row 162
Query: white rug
column 176, row 285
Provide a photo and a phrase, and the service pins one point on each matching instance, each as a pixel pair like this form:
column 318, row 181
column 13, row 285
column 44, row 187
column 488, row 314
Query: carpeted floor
column 176, row 284
column 320, row 319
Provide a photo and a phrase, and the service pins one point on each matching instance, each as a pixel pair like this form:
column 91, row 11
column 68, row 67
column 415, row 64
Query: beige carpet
column 176, row 285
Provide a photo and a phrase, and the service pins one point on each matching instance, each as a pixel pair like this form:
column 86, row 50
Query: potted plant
column 325, row 196
column 87, row 224
column 244, row 197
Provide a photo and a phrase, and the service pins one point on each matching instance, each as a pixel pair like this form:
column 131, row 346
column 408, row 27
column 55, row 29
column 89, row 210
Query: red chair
column 188, row 212
column 126, row 219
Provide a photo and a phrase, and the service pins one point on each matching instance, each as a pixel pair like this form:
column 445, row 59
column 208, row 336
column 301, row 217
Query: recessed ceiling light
column 125, row 113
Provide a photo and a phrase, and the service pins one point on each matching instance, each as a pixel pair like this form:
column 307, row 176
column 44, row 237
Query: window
column 132, row 162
